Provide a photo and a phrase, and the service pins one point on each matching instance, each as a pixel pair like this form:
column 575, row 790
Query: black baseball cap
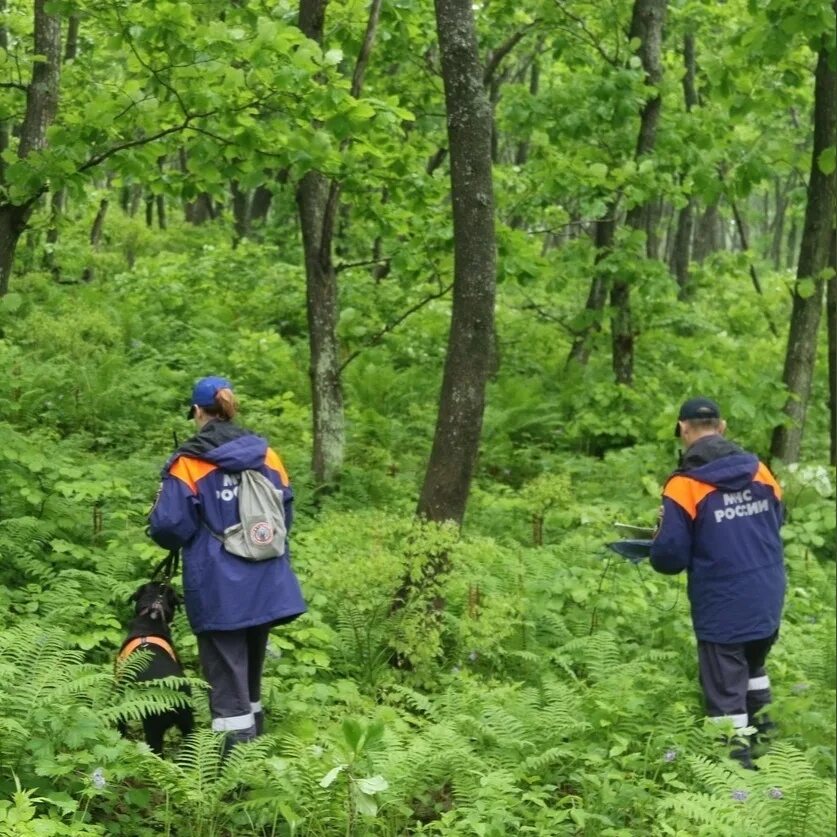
column 697, row 408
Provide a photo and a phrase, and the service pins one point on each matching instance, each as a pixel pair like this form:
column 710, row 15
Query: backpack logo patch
column 261, row 533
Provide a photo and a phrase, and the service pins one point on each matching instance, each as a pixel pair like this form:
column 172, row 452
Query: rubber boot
column 765, row 733
column 232, row 739
column 765, row 728
column 742, row 753
column 259, row 722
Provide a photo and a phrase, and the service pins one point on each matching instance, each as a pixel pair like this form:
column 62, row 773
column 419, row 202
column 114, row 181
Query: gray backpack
column 261, row 532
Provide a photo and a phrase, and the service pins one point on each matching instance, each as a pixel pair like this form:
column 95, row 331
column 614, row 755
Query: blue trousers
column 232, row 663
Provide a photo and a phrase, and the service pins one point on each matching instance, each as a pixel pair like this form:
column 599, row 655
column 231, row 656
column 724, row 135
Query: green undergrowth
column 542, row 686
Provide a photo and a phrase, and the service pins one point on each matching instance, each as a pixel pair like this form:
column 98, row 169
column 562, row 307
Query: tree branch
column 333, row 199
column 93, row 161
column 544, row 314
column 590, row 37
column 378, row 336
column 365, row 48
column 497, row 55
column 348, row 265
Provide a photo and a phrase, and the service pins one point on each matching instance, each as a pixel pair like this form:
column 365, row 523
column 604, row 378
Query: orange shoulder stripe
column 189, row 471
column 763, row 475
column 687, row 493
column 273, row 461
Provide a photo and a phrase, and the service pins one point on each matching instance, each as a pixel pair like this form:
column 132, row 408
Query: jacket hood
column 230, row 447
column 716, row 461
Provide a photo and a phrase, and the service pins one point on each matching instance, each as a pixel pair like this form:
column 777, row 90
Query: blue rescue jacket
column 721, row 517
column 223, row 592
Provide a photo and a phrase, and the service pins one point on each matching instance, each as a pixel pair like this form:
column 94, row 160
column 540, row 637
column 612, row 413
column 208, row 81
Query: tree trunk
column 260, row 205
column 5, row 127
column 521, row 154
column 707, row 233
column 814, row 255
column 793, row 234
column 12, row 224
column 778, row 231
column 323, row 314
column 597, row 296
column 161, row 211
column 682, row 252
column 744, row 241
column 316, row 218
column 56, row 206
column 318, row 199
column 200, row 210
column 655, row 212
column 96, row 237
column 831, row 320
column 41, row 107
column 71, row 47
column 135, row 199
column 647, row 27
column 42, row 93
column 471, row 352
column 241, row 212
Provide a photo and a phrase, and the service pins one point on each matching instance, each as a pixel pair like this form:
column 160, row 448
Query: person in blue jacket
column 721, row 514
column 231, row 602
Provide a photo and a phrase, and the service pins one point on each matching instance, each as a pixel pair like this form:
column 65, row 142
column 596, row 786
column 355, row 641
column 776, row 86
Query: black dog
column 155, row 604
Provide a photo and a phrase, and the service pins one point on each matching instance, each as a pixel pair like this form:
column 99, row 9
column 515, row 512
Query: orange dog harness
column 144, row 641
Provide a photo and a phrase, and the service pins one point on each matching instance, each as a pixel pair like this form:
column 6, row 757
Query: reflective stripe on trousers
column 234, row 723
column 738, row 721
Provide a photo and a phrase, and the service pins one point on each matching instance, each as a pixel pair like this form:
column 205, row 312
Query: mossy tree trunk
column 647, row 27
column 41, row 107
column 471, row 352
column 814, row 254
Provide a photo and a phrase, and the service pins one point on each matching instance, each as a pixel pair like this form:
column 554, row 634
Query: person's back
column 722, row 512
column 720, row 519
column 223, row 592
column 231, row 602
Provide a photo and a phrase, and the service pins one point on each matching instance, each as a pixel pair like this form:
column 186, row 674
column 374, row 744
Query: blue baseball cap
column 203, row 393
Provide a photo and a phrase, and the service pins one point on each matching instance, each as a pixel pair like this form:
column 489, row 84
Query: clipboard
column 628, row 530
column 634, row 549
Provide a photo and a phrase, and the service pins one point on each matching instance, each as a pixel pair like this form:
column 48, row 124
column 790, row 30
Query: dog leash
column 169, row 567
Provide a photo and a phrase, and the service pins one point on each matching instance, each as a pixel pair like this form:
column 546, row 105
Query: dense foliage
column 557, row 690
column 534, row 683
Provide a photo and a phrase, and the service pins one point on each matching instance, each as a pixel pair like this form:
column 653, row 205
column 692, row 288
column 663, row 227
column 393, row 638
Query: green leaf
column 827, row 161
column 805, row 288
column 373, row 784
column 332, row 774
column 353, row 734
column 11, row 302
column 365, row 805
